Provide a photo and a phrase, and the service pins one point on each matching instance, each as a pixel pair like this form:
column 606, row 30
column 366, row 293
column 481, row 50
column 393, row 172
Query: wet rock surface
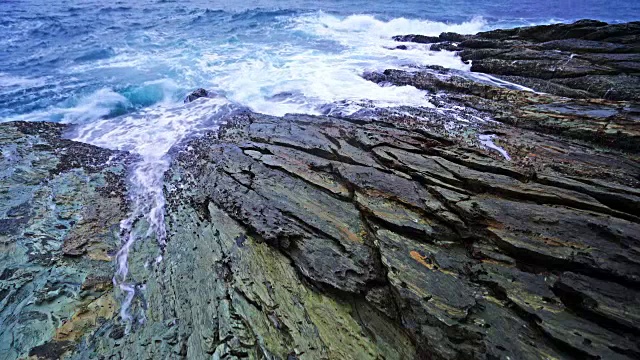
column 602, row 122
column 196, row 94
column 320, row 237
column 499, row 224
column 60, row 207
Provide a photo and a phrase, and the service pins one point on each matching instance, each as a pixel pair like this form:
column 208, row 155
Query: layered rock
column 322, row 238
column 610, row 123
column 318, row 237
column 471, row 256
column 60, row 207
column 586, row 59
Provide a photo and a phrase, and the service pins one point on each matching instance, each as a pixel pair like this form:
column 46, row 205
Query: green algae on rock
column 60, row 207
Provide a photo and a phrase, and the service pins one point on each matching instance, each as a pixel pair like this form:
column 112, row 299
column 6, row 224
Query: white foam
column 21, row 82
column 494, row 81
column 252, row 74
column 487, row 141
column 149, row 134
column 93, row 107
column 329, row 80
column 319, row 61
column 88, row 109
column 368, row 26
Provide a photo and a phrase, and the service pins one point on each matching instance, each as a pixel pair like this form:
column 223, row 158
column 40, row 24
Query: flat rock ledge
column 388, row 234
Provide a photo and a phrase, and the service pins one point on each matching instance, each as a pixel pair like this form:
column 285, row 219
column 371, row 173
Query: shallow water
column 121, row 69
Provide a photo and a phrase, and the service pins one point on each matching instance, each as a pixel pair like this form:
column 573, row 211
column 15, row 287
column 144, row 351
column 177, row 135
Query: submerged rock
column 199, row 93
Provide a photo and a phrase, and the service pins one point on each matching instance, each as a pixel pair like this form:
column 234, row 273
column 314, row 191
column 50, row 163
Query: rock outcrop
column 611, row 123
column 322, row 238
column 197, row 94
column 586, row 59
column 61, row 203
column 471, row 256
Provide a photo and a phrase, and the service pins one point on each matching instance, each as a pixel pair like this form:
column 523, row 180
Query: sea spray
column 316, row 58
column 149, row 134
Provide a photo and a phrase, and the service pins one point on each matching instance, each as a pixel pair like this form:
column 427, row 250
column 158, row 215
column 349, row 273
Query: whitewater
column 120, row 74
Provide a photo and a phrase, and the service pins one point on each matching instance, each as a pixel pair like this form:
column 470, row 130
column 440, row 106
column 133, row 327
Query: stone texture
column 471, row 256
column 60, row 207
column 606, row 122
column 581, row 60
column 322, row 238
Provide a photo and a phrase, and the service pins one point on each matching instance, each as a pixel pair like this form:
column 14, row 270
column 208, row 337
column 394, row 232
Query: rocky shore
column 501, row 224
column 586, row 59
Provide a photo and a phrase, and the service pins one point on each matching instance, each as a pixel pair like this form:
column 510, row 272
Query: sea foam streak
column 149, row 134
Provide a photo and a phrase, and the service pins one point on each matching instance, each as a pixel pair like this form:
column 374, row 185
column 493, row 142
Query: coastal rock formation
column 611, row 123
column 469, row 255
column 319, row 237
column 200, row 93
column 586, row 59
column 501, row 223
column 61, row 203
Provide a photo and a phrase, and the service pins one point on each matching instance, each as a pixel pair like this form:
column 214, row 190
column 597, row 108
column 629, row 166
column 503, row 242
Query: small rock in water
column 196, row 95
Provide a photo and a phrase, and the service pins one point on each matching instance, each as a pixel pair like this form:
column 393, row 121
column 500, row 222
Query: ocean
column 120, row 70
column 77, row 61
